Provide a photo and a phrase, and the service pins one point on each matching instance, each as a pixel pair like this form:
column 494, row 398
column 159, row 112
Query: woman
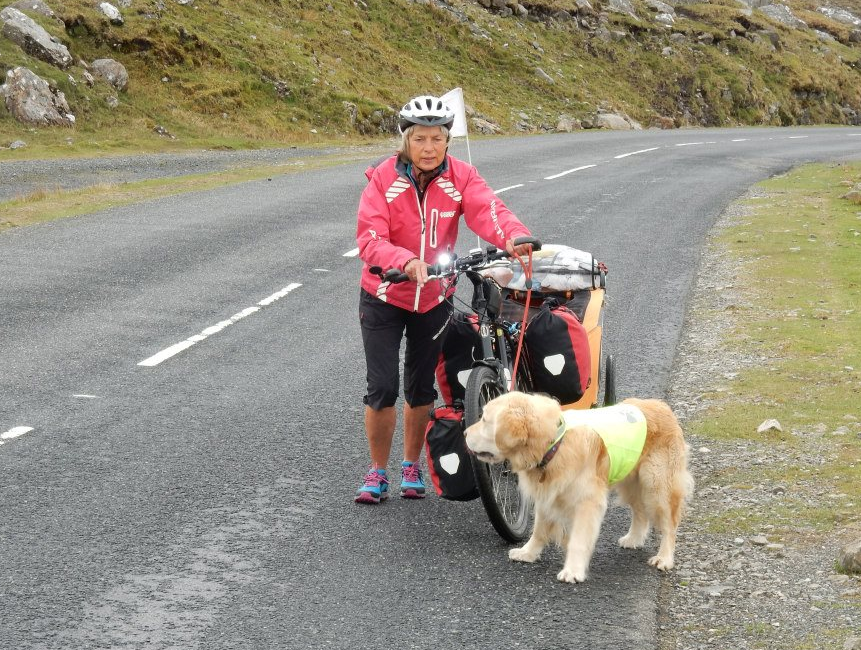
column 408, row 216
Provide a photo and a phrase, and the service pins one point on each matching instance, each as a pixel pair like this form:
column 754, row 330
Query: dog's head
column 515, row 427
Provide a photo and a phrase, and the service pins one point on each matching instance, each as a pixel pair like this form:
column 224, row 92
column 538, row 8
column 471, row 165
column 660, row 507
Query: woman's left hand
column 521, row 250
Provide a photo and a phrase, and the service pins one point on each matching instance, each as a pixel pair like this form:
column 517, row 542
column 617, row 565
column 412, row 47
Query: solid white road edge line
column 173, row 350
column 568, row 171
column 14, row 432
column 634, row 153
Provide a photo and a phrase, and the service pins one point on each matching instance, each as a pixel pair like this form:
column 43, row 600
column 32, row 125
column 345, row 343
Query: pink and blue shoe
column 374, row 487
column 412, row 481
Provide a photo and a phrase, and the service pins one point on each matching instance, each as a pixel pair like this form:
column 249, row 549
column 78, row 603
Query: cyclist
column 408, row 215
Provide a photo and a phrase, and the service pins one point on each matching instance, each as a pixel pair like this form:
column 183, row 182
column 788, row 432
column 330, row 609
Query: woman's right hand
column 417, row 271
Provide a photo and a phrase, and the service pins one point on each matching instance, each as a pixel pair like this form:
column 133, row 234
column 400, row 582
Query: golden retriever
column 570, row 485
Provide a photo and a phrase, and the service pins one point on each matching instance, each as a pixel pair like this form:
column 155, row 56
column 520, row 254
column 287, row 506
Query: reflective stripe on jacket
column 394, row 226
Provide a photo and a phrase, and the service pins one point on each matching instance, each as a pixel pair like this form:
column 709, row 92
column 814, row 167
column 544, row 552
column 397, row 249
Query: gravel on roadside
column 732, row 590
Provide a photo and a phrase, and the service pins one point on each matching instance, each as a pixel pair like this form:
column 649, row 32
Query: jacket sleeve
column 373, row 228
column 486, row 215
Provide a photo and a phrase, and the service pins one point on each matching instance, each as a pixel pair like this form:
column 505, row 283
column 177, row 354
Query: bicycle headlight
column 444, row 259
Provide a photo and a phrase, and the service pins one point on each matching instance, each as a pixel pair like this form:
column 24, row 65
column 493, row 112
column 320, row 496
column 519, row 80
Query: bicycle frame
column 486, row 303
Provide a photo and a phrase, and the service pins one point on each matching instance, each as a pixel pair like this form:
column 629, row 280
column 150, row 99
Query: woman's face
column 426, row 147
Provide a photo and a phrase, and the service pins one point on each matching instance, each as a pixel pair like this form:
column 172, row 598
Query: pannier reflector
column 555, row 364
column 450, row 463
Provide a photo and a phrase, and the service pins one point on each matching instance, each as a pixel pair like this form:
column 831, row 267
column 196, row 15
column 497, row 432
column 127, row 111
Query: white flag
column 454, row 99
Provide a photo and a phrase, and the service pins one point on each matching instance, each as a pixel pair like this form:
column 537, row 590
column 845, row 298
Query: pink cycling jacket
column 394, row 226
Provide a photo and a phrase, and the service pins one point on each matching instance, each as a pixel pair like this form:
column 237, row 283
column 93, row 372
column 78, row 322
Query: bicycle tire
column 609, row 381
column 509, row 511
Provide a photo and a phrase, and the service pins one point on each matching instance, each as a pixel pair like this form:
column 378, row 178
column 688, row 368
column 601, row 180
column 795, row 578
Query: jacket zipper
column 422, row 248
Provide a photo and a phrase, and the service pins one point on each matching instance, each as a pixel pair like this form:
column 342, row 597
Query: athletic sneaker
column 374, row 488
column 412, row 481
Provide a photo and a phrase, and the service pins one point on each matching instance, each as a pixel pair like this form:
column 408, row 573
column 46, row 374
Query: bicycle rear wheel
column 509, row 511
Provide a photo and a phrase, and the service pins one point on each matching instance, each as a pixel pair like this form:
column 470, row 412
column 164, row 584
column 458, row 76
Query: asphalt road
column 205, row 500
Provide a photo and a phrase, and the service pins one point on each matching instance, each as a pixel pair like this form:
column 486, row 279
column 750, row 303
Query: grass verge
column 47, row 204
column 796, row 318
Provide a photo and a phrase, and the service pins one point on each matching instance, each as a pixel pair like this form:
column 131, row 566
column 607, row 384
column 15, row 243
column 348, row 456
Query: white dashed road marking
column 13, row 433
column 510, row 187
column 634, row 153
column 352, row 253
column 175, row 349
column 568, row 171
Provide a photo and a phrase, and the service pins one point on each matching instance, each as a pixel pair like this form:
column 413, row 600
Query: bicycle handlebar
column 476, row 258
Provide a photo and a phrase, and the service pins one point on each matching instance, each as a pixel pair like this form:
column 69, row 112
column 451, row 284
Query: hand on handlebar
column 417, row 271
column 519, row 250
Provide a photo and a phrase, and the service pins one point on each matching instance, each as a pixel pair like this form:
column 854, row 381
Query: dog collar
column 554, row 447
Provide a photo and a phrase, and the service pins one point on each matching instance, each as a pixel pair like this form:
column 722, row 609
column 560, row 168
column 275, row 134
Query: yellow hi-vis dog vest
column 622, row 428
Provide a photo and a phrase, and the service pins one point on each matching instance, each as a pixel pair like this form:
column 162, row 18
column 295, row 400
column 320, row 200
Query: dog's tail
column 683, row 491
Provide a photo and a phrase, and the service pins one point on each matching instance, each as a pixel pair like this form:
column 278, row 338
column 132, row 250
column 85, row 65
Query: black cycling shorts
column 383, row 326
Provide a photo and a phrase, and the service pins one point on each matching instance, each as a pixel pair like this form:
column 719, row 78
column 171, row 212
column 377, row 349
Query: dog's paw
column 629, row 541
column 522, row 555
column 661, row 563
column 571, row 575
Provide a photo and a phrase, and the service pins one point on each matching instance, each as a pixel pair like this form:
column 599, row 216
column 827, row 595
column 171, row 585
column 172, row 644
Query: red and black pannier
column 448, row 461
column 459, row 349
column 557, row 349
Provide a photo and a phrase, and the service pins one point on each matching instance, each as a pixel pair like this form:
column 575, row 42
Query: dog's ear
column 513, row 423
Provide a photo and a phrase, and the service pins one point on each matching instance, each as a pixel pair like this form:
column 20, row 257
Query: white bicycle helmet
column 426, row 110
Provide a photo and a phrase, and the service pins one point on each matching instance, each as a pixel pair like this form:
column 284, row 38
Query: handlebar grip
column 536, row 243
column 395, row 276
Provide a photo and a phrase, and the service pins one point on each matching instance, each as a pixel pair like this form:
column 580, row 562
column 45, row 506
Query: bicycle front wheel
column 509, row 511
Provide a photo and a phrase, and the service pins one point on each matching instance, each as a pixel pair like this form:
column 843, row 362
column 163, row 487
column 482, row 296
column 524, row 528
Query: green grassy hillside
column 245, row 73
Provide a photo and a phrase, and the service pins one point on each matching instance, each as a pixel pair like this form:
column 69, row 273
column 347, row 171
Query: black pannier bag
column 448, row 459
column 460, row 347
column 557, row 348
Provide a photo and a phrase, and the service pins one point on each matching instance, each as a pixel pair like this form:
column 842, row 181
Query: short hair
column 405, row 136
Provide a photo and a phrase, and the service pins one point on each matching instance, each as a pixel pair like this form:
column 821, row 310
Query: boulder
column 112, row 13
column 485, row 127
column 850, row 557
column 841, row 15
column 660, row 7
column 621, row 7
column 567, row 124
column 543, row 75
column 31, row 100
column 783, row 15
column 853, row 195
column 34, row 6
column 111, row 71
column 611, row 121
column 33, row 39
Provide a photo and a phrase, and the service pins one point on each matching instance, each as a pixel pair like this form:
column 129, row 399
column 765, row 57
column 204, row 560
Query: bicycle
column 510, row 513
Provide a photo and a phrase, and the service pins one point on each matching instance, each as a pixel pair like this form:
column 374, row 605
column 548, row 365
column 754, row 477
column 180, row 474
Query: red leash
column 527, row 270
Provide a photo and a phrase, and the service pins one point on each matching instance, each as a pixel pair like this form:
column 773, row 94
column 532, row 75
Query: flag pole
column 454, row 99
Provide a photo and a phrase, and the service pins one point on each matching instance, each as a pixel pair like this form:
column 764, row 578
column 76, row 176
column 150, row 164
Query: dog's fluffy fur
column 570, row 494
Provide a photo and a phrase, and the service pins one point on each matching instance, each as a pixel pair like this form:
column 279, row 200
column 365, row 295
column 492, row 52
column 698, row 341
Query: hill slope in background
column 253, row 73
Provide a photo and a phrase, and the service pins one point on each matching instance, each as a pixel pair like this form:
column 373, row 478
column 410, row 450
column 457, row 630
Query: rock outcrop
column 33, row 39
column 30, row 99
